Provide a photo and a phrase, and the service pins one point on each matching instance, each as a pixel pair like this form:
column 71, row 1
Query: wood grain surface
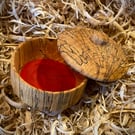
column 46, row 101
column 92, row 53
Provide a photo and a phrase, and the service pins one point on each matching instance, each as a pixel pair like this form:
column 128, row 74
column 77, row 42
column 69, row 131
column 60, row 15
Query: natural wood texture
column 92, row 53
column 46, row 101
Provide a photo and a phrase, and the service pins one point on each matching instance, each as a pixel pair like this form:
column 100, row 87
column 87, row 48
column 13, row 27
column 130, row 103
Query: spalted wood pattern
column 92, row 53
column 46, row 101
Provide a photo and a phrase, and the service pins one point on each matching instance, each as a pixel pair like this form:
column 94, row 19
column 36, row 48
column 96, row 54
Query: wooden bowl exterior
column 46, row 101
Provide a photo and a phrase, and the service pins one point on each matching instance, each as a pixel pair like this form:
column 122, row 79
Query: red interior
column 48, row 74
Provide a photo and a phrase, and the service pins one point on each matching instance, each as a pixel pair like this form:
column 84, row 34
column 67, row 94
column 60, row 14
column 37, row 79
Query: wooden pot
column 46, row 101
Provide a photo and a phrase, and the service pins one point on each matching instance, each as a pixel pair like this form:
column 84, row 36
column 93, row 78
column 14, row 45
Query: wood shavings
column 13, row 103
column 104, row 108
column 5, row 132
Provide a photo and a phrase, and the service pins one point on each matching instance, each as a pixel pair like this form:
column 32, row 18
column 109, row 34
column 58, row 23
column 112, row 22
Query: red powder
column 48, row 74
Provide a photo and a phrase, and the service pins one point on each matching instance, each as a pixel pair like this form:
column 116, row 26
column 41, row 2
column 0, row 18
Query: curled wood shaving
column 13, row 103
column 5, row 132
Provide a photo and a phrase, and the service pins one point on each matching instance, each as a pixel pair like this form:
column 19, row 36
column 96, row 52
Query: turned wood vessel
column 43, row 100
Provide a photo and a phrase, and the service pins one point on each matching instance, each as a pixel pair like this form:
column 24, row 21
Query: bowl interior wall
column 39, row 48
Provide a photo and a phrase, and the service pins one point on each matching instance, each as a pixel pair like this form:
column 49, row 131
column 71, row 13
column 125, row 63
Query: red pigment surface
column 47, row 74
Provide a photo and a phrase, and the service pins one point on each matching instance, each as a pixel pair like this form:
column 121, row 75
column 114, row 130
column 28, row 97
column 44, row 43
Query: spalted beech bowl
column 47, row 101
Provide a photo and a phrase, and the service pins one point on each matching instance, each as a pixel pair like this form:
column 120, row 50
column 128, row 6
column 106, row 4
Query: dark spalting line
column 114, row 61
column 114, row 73
column 83, row 38
column 93, row 55
column 43, row 104
column 21, row 93
column 97, row 72
column 43, row 54
column 121, row 69
column 113, row 65
column 74, row 49
column 51, row 103
column 108, row 72
column 82, row 56
column 73, row 53
column 61, row 97
column 20, row 90
column 84, row 35
column 75, row 36
column 47, row 104
column 118, row 68
column 63, row 44
column 68, row 47
column 70, row 52
column 49, row 100
column 99, row 62
column 85, row 56
column 72, row 35
column 108, row 65
column 93, row 58
column 86, row 46
column 123, row 64
column 32, row 95
column 36, row 100
column 108, row 50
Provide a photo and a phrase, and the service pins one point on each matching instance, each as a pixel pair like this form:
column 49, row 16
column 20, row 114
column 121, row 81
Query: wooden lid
column 92, row 53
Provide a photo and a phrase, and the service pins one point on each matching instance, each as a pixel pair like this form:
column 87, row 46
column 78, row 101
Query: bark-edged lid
column 92, row 53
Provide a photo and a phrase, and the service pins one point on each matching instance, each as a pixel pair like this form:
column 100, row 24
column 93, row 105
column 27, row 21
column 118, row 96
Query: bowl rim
column 83, row 82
